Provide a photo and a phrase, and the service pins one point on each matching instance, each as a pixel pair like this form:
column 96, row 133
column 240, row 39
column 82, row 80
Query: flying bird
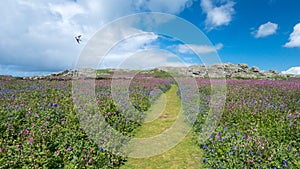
column 78, row 38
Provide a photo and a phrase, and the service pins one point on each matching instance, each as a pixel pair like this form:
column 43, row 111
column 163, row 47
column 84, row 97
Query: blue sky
column 37, row 37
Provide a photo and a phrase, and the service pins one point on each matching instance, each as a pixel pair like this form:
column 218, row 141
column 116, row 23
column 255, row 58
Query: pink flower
column 25, row 131
column 270, row 158
column 48, row 117
column 255, row 129
column 91, row 160
column 30, row 139
column 249, row 138
column 69, row 148
column 251, row 161
column 91, row 149
column 1, row 150
column 57, row 152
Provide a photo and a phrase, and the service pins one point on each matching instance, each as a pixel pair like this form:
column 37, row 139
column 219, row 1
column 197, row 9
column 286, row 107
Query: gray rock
column 274, row 72
column 254, row 69
column 243, row 66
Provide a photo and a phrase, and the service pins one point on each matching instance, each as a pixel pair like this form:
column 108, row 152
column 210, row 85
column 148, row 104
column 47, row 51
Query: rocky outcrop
column 228, row 70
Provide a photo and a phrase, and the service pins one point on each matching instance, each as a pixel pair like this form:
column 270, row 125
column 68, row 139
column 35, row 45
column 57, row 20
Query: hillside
column 228, row 70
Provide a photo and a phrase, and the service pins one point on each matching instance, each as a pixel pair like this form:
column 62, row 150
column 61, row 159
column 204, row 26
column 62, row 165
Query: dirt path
column 186, row 154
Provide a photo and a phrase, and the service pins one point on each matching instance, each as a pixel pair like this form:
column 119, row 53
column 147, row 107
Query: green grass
column 186, row 154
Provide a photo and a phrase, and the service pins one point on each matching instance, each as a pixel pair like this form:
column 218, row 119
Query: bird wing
column 78, row 38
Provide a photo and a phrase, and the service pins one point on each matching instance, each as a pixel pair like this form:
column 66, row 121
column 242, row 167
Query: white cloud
column 198, row 49
column 292, row 70
column 167, row 6
column 147, row 59
column 39, row 35
column 217, row 14
column 266, row 29
column 294, row 40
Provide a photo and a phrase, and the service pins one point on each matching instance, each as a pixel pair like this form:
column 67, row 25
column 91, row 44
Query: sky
column 37, row 37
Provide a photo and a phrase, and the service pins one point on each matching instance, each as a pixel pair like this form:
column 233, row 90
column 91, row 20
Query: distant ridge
column 228, row 70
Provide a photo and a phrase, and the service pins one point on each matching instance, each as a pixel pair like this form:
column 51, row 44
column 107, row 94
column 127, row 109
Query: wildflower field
column 260, row 126
column 39, row 126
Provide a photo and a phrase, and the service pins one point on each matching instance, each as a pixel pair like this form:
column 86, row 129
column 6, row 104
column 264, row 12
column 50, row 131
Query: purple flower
column 91, row 160
column 25, row 131
column 30, row 140
column 244, row 137
column 284, row 162
column 48, row 117
column 69, row 148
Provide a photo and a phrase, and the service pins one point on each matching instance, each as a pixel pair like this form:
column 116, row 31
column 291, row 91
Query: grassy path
column 186, row 154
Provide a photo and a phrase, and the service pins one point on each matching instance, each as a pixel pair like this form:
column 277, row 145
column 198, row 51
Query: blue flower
column 100, row 147
column 224, row 128
column 233, row 147
column 204, row 147
column 284, row 162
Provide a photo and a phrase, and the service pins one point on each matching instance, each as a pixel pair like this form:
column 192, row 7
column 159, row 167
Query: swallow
column 78, row 38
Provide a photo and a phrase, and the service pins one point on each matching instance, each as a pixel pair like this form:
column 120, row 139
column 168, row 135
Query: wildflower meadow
column 39, row 126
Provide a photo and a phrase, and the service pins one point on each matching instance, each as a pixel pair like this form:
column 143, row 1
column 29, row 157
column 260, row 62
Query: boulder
column 274, row 72
column 254, row 69
column 243, row 66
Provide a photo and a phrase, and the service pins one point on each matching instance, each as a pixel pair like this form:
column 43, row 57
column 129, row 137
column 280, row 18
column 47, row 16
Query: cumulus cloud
column 266, row 29
column 150, row 59
column 217, row 14
column 198, row 49
column 292, row 70
column 125, row 49
column 167, row 6
column 294, row 40
column 39, row 35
